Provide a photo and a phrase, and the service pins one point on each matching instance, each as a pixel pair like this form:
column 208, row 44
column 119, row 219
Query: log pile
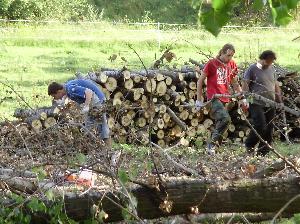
column 158, row 105
column 160, row 100
column 163, row 100
column 290, row 86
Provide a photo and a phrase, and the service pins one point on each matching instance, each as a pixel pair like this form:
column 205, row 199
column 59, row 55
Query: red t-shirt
column 219, row 76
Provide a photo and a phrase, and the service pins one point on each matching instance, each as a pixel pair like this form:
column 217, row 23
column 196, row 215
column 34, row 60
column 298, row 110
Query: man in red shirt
column 221, row 74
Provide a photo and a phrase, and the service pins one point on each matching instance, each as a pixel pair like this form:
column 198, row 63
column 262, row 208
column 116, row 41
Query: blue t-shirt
column 76, row 90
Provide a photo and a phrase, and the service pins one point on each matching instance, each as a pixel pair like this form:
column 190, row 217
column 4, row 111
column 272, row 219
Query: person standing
column 89, row 96
column 221, row 74
column 260, row 78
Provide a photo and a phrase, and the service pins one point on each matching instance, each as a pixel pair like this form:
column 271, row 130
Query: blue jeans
column 102, row 126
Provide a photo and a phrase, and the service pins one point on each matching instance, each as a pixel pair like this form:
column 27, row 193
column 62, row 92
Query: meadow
column 34, row 54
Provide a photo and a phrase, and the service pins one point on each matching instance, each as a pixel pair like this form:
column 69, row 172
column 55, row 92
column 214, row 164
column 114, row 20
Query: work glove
column 85, row 109
column 199, row 104
column 244, row 105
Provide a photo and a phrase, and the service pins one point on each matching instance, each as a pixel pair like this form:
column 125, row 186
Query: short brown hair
column 268, row 54
column 54, row 87
column 225, row 48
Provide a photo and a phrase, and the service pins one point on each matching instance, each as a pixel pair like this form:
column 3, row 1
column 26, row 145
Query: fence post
column 158, row 35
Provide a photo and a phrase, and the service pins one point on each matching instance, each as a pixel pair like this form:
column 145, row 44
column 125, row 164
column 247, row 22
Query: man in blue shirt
column 86, row 93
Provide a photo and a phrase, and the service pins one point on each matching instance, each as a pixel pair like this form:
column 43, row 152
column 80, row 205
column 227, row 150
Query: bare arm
column 200, row 86
column 236, row 85
column 245, row 85
column 278, row 95
column 88, row 97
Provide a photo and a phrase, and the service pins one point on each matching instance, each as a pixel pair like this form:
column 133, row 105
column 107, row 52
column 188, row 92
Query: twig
column 272, row 149
column 231, row 218
column 175, row 163
column 120, row 206
column 23, row 140
column 284, row 207
column 21, row 97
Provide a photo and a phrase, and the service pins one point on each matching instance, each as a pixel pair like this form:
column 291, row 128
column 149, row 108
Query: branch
column 175, row 163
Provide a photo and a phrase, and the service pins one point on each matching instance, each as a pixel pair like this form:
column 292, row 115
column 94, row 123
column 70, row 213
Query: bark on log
column 263, row 195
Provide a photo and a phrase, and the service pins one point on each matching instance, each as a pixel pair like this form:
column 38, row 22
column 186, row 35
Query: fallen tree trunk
column 247, row 195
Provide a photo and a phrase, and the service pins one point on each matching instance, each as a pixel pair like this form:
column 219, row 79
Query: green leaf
column 218, row 4
column 258, row 4
column 81, row 158
column 296, row 218
column 18, row 198
column 123, row 176
column 282, row 15
column 35, row 205
column 292, row 4
column 50, row 195
column 213, row 21
column 40, row 172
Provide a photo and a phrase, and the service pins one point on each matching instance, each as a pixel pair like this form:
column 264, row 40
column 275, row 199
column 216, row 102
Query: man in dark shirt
column 260, row 79
column 87, row 94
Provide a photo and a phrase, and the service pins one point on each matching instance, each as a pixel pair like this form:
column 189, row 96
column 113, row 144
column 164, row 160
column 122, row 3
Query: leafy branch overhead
column 220, row 12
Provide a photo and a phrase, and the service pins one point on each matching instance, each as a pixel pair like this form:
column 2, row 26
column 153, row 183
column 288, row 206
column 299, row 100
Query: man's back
column 76, row 90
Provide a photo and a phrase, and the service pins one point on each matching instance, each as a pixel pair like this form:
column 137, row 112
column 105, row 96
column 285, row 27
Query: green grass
column 31, row 56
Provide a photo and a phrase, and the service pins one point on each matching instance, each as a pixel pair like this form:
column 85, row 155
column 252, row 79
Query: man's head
column 56, row 90
column 267, row 58
column 226, row 53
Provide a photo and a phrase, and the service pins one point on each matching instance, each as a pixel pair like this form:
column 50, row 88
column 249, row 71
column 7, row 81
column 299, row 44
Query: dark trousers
column 262, row 121
column 222, row 120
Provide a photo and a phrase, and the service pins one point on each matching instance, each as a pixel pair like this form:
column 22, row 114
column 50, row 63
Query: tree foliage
column 219, row 12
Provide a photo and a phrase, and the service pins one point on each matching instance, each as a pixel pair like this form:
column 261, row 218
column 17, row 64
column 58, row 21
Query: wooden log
column 111, row 84
column 207, row 123
column 168, row 81
column 191, row 132
column 111, row 122
column 193, row 85
column 231, row 127
column 207, row 196
column 49, row 122
column 176, row 131
column 161, row 143
column 35, row 123
column 39, row 113
column 150, row 85
column 161, row 88
column 184, row 115
column 141, row 122
column 160, row 134
column 160, row 77
column 194, row 122
column 128, row 84
column 166, row 117
column 126, row 120
column 106, row 92
column 201, row 129
column 160, row 123
column 118, row 98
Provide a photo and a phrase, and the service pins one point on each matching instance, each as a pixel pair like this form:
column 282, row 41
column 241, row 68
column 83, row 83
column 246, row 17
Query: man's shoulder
column 252, row 66
column 212, row 62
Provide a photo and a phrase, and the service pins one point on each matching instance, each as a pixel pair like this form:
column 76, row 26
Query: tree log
column 247, row 195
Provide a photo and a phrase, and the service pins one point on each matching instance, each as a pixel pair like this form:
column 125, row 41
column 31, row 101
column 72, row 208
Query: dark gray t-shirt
column 262, row 82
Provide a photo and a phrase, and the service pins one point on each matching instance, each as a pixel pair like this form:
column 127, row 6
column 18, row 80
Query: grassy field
column 33, row 55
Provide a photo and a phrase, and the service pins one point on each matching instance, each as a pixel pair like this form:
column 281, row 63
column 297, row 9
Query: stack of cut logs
column 158, row 106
